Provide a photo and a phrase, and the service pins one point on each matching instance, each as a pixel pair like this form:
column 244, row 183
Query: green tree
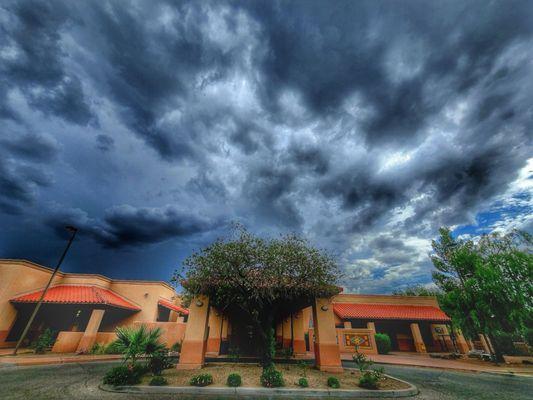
column 487, row 286
column 260, row 281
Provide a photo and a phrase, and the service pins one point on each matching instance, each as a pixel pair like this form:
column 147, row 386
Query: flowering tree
column 260, row 280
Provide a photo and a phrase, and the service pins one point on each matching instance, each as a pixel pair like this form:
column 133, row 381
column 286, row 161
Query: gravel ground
column 80, row 381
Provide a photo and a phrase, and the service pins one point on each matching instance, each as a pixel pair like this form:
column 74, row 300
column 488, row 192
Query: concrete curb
column 254, row 393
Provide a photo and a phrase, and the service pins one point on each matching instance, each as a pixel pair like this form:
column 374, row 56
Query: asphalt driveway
column 80, row 381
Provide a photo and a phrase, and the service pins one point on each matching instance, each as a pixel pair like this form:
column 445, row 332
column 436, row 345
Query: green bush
column 271, row 377
column 370, row 379
column 113, row 348
column 158, row 381
column 302, row 382
column 333, row 382
column 361, row 361
column 234, row 380
column 158, row 362
column 201, row 380
column 125, row 375
column 176, row 347
column 44, row 341
column 383, row 343
column 97, row 349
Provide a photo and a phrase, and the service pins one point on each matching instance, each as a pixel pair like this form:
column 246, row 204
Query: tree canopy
column 487, row 285
column 260, row 280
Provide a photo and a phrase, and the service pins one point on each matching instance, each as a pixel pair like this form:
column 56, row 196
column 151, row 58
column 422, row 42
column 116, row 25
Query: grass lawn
column 250, row 374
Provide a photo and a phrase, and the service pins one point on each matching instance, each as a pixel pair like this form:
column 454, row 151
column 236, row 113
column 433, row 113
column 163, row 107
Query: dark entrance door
column 243, row 337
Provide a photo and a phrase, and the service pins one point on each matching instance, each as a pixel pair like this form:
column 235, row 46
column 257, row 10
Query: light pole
column 73, row 230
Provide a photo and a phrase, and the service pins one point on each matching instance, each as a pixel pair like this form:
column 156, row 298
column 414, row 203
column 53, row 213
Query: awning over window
column 173, row 307
column 78, row 294
column 389, row 311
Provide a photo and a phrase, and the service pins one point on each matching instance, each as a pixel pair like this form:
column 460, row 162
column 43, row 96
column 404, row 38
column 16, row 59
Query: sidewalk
column 26, row 359
column 424, row 360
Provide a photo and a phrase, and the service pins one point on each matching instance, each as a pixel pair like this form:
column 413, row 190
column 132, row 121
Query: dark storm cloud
column 32, row 147
column 32, row 30
column 363, row 125
column 327, row 55
column 127, row 226
column 18, row 184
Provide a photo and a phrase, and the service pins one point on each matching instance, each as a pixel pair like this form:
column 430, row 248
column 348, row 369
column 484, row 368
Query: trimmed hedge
column 201, row 380
column 234, row 380
column 333, row 382
column 271, row 377
column 158, row 381
column 125, row 375
column 302, row 382
column 383, row 343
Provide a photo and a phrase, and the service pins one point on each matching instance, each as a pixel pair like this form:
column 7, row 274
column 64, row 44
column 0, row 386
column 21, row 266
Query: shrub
column 271, row 377
column 234, row 380
column 176, row 347
column 44, row 341
column 370, row 379
column 97, row 349
column 135, row 342
column 158, row 381
column 158, row 362
column 201, row 380
column 333, row 382
column 361, row 361
column 113, row 348
column 383, row 343
column 125, row 375
column 302, row 382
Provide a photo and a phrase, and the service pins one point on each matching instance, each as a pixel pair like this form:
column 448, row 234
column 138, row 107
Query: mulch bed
column 250, row 374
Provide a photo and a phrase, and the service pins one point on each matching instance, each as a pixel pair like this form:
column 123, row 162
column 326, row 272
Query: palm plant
column 133, row 343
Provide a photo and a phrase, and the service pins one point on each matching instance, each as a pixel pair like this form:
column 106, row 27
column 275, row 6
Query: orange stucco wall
column 18, row 277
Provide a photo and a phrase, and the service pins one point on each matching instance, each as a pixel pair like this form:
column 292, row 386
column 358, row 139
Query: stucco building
column 84, row 309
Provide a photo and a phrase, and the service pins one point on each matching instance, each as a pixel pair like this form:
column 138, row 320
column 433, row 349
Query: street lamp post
column 73, row 230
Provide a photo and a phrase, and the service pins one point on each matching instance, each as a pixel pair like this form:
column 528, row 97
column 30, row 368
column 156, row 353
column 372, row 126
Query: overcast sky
column 363, row 126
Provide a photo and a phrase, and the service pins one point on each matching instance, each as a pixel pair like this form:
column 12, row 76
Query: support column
column 417, row 338
column 89, row 336
column 195, row 342
column 279, row 332
column 298, row 330
column 371, row 326
column 462, row 345
column 484, row 343
column 327, row 355
column 347, row 324
column 214, row 339
column 287, row 335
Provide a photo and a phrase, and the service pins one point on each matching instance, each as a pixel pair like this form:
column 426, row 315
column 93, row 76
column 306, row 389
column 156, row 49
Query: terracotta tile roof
column 77, row 294
column 389, row 311
column 170, row 306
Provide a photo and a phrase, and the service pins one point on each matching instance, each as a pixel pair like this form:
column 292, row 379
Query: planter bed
column 291, row 373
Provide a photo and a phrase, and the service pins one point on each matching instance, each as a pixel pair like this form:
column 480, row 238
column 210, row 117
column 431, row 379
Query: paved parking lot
column 80, row 381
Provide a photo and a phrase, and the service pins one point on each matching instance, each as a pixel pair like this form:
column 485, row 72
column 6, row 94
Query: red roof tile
column 77, row 294
column 170, row 306
column 389, row 311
